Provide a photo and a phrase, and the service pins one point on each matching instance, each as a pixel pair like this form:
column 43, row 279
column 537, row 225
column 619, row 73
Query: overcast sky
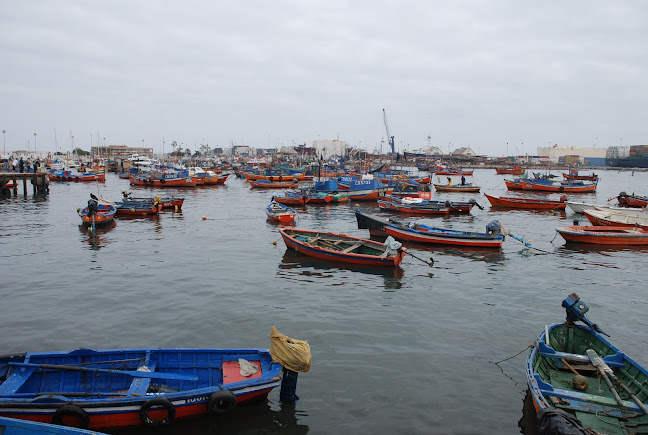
column 272, row 73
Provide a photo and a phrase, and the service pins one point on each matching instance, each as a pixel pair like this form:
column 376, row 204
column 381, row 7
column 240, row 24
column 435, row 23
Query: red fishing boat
column 626, row 200
column 426, row 208
column 281, row 178
column 413, row 232
column 97, row 213
column 292, row 198
column 574, row 175
column 604, row 235
column 454, row 206
column 174, row 202
column 67, row 175
column 212, row 178
column 515, row 170
column 615, row 218
column 342, row 248
column 542, row 186
column 466, row 188
column 121, row 388
column 527, row 203
column 266, row 184
column 163, row 181
column 134, row 208
column 280, row 213
column 452, row 171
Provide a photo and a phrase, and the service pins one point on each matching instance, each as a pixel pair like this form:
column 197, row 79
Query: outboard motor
column 576, row 311
column 494, row 228
column 474, row 202
column 93, row 207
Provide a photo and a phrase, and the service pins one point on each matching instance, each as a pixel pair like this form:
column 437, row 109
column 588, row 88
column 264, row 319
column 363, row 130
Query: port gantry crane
column 390, row 139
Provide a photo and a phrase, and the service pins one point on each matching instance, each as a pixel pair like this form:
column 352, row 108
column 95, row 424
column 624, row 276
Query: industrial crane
column 390, row 139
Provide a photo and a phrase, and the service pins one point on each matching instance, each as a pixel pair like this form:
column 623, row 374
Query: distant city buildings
column 572, row 155
column 120, row 152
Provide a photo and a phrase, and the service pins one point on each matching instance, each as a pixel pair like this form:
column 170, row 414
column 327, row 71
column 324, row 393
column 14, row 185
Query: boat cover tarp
column 554, row 421
column 391, row 246
column 293, row 354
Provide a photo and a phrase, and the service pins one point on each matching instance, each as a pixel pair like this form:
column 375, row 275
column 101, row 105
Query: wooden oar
column 134, row 373
column 604, row 370
column 592, row 353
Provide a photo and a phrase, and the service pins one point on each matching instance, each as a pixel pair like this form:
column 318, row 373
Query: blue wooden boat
column 97, row 214
column 420, row 233
column 575, row 373
column 281, row 213
column 12, row 426
column 112, row 389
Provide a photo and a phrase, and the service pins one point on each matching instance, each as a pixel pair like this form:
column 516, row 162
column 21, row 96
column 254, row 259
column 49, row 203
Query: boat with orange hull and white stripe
column 615, row 218
column 604, row 235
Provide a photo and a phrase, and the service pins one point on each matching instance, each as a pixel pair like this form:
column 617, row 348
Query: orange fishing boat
column 604, row 235
column 527, row 203
column 543, row 186
column 515, row 170
column 162, row 181
column 266, row 184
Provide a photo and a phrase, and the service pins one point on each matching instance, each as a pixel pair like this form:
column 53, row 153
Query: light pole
column 4, row 143
column 34, row 142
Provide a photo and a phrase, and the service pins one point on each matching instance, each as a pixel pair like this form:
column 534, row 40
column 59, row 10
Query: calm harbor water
column 409, row 350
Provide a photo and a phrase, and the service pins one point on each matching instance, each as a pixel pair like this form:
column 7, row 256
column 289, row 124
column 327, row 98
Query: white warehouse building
column 328, row 148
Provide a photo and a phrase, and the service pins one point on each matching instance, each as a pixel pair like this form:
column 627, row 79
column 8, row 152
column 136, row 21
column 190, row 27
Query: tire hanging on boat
column 221, row 402
column 158, row 401
column 70, row 410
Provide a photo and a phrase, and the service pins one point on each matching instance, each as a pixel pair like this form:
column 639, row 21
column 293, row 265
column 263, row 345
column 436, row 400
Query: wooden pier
column 9, row 182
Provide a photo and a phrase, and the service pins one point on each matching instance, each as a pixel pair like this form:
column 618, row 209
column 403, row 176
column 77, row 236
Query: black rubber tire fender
column 71, row 411
column 221, row 402
column 158, row 401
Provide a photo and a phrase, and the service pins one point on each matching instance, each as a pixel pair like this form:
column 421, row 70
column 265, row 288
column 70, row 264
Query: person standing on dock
column 21, row 165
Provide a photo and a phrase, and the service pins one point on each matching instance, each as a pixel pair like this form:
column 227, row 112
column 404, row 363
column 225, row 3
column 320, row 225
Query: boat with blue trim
column 414, row 232
column 118, row 388
column 281, row 213
column 343, row 248
column 579, row 380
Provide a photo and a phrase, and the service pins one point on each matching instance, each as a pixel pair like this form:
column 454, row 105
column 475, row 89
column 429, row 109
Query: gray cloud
column 467, row 73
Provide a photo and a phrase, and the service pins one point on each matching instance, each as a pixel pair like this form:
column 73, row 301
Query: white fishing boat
column 580, row 207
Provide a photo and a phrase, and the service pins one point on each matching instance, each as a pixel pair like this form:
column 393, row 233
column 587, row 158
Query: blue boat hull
column 111, row 389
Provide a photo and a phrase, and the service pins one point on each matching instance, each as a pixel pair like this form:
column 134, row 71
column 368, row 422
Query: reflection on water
column 527, row 422
column 304, row 265
column 95, row 238
column 248, row 418
column 151, row 217
column 588, row 248
column 488, row 255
